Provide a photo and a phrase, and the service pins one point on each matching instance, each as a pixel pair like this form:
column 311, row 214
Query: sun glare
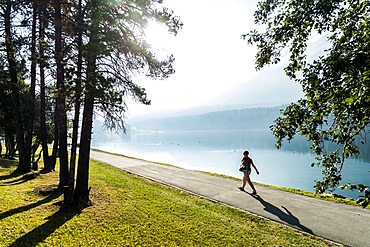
column 158, row 37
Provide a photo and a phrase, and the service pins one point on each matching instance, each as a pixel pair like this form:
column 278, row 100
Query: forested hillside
column 251, row 118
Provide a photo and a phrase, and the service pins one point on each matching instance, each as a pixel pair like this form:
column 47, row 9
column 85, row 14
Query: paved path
column 341, row 223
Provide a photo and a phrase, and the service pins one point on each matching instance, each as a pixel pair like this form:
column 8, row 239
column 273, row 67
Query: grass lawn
column 129, row 211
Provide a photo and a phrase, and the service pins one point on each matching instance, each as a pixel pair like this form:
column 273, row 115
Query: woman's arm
column 255, row 168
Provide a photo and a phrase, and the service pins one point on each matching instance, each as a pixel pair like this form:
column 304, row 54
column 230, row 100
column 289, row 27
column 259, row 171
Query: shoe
column 254, row 193
column 241, row 188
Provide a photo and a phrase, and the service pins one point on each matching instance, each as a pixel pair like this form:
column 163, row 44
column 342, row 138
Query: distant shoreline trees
column 249, row 118
column 60, row 58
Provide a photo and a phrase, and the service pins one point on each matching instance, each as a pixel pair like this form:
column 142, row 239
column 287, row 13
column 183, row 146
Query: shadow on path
column 285, row 216
column 40, row 233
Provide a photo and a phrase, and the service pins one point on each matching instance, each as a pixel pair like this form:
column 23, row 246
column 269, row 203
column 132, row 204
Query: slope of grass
column 129, row 211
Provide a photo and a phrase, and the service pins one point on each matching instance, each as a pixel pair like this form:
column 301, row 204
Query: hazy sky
column 211, row 57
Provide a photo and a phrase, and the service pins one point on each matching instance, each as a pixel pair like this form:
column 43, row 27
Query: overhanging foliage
column 336, row 105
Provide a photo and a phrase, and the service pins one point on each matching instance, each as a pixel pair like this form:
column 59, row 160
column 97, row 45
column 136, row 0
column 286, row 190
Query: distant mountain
column 270, row 86
column 250, row 118
column 192, row 111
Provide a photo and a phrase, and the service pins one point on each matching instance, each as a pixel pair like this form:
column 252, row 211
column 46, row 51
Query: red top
column 247, row 160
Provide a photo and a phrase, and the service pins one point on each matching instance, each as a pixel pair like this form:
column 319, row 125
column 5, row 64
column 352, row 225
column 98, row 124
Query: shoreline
column 325, row 196
column 220, row 152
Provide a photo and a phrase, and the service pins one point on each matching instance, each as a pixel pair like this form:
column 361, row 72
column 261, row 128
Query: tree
column 48, row 166
column 90, row 49
column 7, row 121
column 68, row 195
column 13, row 66
column 336, row 105
column 60, row 106
column 115, row 49
column 20, row 43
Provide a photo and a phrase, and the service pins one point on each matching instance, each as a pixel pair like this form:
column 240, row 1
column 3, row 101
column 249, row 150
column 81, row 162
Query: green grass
column 129, row 211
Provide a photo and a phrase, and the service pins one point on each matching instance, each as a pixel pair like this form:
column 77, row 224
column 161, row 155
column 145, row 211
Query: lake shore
column 221, row 151
column 324, row 196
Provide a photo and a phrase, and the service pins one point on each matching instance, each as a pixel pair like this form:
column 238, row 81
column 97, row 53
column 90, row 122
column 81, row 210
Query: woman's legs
column 247, row 179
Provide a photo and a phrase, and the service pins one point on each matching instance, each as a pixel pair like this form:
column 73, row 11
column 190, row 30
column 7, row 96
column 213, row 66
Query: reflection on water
column 220, row 152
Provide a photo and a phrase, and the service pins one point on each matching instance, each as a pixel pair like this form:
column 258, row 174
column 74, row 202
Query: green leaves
column 363, row 200
column 335, row 110
column 122, row 52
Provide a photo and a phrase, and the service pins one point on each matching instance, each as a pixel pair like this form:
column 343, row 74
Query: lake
column 221, row 151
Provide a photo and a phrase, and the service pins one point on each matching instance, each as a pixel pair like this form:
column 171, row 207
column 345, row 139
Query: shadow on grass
column 6, row 177
column 5, row 163
column 55, row 194
column 20, row 180
column 15, row 181
column 285, row 216
column 40, row 233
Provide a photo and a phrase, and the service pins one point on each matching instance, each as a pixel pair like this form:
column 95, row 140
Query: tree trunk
column 55, row 151
column 31, row 96
column 61, row 115
column 43, row 128
column 9, row 143
column 24, row 164
column 81, row 195
column 68, row 195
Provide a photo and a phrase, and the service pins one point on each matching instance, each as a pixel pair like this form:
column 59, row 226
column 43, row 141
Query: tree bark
column 81, row 195
column 61, row 115
column 43, row 128
column 24, row 165
column 68, row 195
column 31, row 96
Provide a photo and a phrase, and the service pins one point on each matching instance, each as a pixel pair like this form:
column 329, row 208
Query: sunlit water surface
column 221, row 151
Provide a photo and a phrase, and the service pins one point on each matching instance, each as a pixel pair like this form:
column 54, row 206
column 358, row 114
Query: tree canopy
column 64, row 57
column 336, row 103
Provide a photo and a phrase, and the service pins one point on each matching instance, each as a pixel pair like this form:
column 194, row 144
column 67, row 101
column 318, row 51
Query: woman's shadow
column 285, row 216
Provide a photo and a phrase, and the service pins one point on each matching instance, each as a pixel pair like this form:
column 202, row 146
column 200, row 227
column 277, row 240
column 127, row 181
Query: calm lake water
column 221, row 151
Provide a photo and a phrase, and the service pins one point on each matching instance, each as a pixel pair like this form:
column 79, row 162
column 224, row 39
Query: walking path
column 341, row 223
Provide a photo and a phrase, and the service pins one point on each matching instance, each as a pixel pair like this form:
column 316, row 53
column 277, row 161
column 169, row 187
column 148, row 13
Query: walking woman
column 246, row 169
